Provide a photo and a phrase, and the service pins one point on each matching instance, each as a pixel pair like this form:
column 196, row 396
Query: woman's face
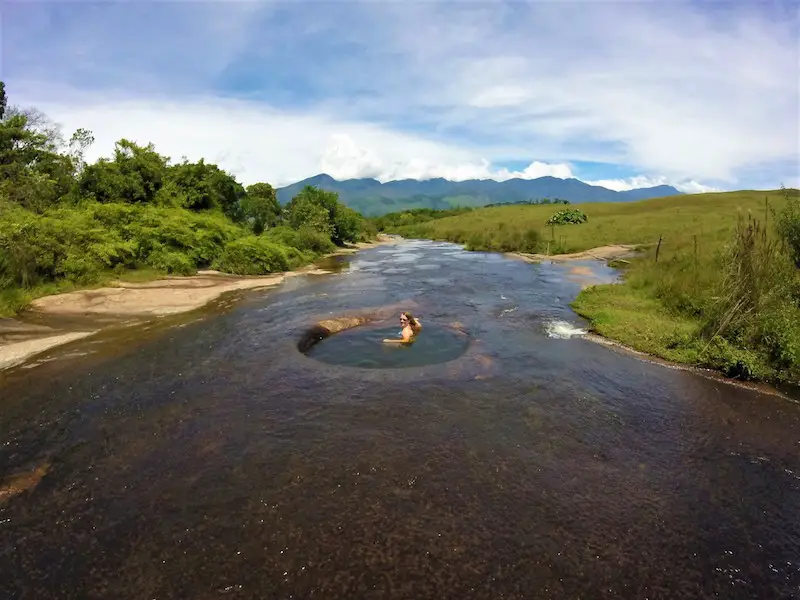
column 403, row 320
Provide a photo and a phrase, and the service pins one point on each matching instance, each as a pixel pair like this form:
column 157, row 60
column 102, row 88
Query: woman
column 411, row 327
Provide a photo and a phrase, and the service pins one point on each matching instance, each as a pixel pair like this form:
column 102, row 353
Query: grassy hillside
column 724, row 293
column 711, row 217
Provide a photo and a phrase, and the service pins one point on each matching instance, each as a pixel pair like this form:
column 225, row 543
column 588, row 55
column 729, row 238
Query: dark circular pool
column 364, row 347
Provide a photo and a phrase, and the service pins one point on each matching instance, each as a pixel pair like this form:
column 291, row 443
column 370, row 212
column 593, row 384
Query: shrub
column 252, row 255
column 171, row 262
column 568, row 216
column 305, row 239
column 313, row 241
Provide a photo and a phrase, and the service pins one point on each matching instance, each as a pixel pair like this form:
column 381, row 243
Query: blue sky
column 624, row 94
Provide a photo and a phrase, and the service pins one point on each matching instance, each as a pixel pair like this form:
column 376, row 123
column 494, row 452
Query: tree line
column 64, row 220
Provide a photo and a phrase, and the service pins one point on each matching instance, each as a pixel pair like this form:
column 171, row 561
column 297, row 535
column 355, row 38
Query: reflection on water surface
column 214, row 460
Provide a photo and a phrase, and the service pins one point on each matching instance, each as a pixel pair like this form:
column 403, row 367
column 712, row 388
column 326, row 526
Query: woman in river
column 411, row 327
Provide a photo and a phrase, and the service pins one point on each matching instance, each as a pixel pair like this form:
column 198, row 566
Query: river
column 207, row 457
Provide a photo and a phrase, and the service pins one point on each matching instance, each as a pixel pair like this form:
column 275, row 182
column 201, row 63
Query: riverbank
column 709, row 280
column 610, row 252
column 58, row 319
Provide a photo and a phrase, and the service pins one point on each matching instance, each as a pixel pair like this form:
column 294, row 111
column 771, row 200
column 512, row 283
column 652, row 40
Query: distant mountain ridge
column 373, row 198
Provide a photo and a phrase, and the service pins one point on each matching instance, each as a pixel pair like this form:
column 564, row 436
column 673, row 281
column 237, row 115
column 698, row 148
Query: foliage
column 135, row 175
column 65, row 223
column 755, row 301
column 32, row 173
column 567, row 216
column 305, row 239
column 260, row 207
column 304, row 211
column 252, row 255
column 207, row 187
column 321, row 210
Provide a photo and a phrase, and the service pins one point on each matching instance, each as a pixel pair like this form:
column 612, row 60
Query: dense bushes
column 305, row 239
column 252, row 255
column 80, row 243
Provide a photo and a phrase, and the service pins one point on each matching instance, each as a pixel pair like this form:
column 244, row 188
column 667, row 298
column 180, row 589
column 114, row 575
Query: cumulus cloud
column 698, row 96
column 258, row 143
column 642, row 181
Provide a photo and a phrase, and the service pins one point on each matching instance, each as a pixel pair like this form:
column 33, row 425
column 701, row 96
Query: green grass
column 711, row 217
column 724, row 292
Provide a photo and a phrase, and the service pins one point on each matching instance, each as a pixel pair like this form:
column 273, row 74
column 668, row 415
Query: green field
column 724, row 293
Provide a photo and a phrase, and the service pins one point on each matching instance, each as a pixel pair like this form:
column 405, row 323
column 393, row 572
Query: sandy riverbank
column 599, row 253
column 90, row 310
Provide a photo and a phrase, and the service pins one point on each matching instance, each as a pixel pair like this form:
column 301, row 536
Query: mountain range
column 373, row 198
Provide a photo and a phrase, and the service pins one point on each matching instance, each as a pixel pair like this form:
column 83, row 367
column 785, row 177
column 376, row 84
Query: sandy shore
column 91, row 309
column 599, row 253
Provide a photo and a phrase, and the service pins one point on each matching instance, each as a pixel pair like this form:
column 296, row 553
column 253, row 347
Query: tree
column 343, row 223
column 348, row 224
column 32, row 172
column 78, row 144
column 207, row 186
column 135, row 175
column 260, row 207
column 304, row 211
column 566, row 216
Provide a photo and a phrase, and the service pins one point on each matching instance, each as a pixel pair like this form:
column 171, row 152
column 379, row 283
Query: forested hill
column 371, row 197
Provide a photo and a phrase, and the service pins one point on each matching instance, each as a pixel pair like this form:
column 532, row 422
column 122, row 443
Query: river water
column 206, row 457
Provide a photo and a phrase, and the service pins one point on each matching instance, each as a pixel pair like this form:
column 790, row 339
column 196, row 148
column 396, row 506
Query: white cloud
column 421, row 90
column 258, row 143
column 642, row 181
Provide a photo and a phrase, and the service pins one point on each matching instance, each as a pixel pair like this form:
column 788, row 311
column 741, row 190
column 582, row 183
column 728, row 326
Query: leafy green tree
column 135, row 175
column 32, row 172
column 260, row 207
column 206, row 186
column 347, row 223
column 343, row 223
column 567, row 216
column 304, row 211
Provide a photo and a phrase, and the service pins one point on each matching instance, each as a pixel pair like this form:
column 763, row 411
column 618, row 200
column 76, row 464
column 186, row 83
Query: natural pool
column 363, row 347
column 213, row 459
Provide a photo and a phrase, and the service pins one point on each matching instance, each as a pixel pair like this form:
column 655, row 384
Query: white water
column 562, row 330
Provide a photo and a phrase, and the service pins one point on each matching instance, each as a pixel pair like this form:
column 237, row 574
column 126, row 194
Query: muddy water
column 208, row 458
